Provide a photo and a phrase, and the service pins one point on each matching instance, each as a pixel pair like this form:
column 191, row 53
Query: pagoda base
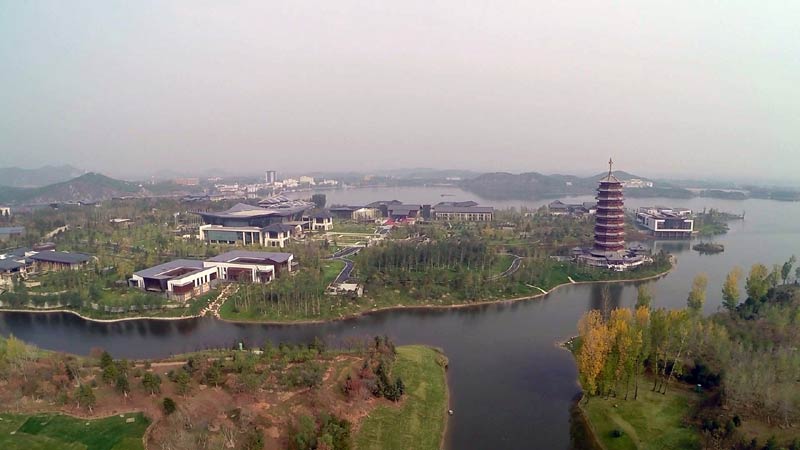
column 618, row 261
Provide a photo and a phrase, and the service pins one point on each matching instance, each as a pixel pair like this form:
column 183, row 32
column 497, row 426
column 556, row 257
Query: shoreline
column 361, row 313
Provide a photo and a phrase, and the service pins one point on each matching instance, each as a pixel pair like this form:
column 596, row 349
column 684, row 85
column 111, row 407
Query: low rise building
column 470, row 213
column 179, row 280
column 559, row 208
column 7, row 233
column 183, row 279
column 56, row 261
column 666, row 223
column 321, row 221
column 247, row 224
column 254, row 267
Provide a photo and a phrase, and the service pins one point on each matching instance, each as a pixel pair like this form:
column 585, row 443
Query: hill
column 90, row 187
column 501, row 186
column 31, row 178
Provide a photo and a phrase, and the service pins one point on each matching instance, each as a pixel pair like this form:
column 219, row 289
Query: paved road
column 342, row 255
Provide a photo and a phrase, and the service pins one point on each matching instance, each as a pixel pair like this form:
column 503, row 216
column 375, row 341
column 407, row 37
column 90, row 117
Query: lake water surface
column 511, row 386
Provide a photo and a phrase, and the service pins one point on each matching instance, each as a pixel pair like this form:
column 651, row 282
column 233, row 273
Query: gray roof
column 243, row 210
column 464, row 209
column 236, row 254
column 7, row 265
column 322, row 214
column 12, row 230
column 280, row 227
column 403, row 209
column 156, row 271
column 61, row 257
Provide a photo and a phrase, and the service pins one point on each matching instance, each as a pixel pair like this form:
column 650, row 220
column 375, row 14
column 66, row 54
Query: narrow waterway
column 511, row 387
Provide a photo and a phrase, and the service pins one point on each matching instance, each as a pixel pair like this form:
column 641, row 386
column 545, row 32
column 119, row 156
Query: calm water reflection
column 511, row 387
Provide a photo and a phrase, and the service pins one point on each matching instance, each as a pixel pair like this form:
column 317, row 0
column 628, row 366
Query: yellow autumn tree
column 595, row 346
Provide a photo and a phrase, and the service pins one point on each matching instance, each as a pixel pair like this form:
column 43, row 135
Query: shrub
column 169, row 406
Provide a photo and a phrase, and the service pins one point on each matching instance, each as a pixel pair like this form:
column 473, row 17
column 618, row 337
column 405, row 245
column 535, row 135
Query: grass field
column 652, row 422
column 419, row 421
column 55, row 431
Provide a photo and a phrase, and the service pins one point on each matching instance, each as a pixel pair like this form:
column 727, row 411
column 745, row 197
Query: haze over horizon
column 679, row 89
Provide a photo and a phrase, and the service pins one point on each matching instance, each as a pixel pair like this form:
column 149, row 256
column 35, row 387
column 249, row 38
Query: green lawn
column 418, row 422
column 651, row 422
column 55, row 431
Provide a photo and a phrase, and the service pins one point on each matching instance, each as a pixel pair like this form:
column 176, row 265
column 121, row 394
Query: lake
column 511, row 386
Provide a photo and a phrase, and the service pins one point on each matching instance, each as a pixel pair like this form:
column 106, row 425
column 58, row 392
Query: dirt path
column 214, row 306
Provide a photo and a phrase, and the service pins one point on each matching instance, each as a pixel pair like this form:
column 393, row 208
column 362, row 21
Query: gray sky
column 680, row 88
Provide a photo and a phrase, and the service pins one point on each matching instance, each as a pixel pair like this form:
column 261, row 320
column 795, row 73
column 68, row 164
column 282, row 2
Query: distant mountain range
column 501, row 185
column 90, row 187
column 43, row 176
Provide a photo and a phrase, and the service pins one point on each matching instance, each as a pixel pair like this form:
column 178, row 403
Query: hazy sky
column 667, row 87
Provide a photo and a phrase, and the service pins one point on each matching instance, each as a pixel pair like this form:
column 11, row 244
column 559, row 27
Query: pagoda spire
column 610, row 164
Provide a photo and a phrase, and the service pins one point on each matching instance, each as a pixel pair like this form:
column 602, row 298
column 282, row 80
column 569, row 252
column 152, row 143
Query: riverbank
column 224, row 314
column 652, row 421
column 420, row 421
column 431, row 306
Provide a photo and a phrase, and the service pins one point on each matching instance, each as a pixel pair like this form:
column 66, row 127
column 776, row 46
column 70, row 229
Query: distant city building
column 271, row 177
column 637, row 183
column 666, row 223
column 307, row 180
column 5, row 211
column 187, row 181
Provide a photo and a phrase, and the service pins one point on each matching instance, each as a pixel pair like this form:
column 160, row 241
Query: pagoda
column 609, row 226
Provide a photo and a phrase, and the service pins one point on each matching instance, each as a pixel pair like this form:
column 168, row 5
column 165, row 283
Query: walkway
column 214, row 306
column 516, row 263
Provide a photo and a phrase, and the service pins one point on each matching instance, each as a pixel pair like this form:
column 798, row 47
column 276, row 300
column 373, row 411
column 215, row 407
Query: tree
column 110, row 373
column 730, row 290
column 151, row 382
column 213, row 375
column 168, row 405
column 106, row 360
column 697, row 296
column 85, row 396
column 786, row 270
column 182, row 379
column 122, row 385
column 595, row 346
column 319, row 200
column 757, row 284
column 643, row 296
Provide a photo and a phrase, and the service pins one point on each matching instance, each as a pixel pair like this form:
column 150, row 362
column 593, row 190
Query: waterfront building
column 666, row 223
column 183, row 279
column 179, row 280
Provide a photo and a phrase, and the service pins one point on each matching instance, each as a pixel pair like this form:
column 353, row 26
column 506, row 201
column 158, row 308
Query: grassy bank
column 56, row 431
column 653, row 421
column 419, row 421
